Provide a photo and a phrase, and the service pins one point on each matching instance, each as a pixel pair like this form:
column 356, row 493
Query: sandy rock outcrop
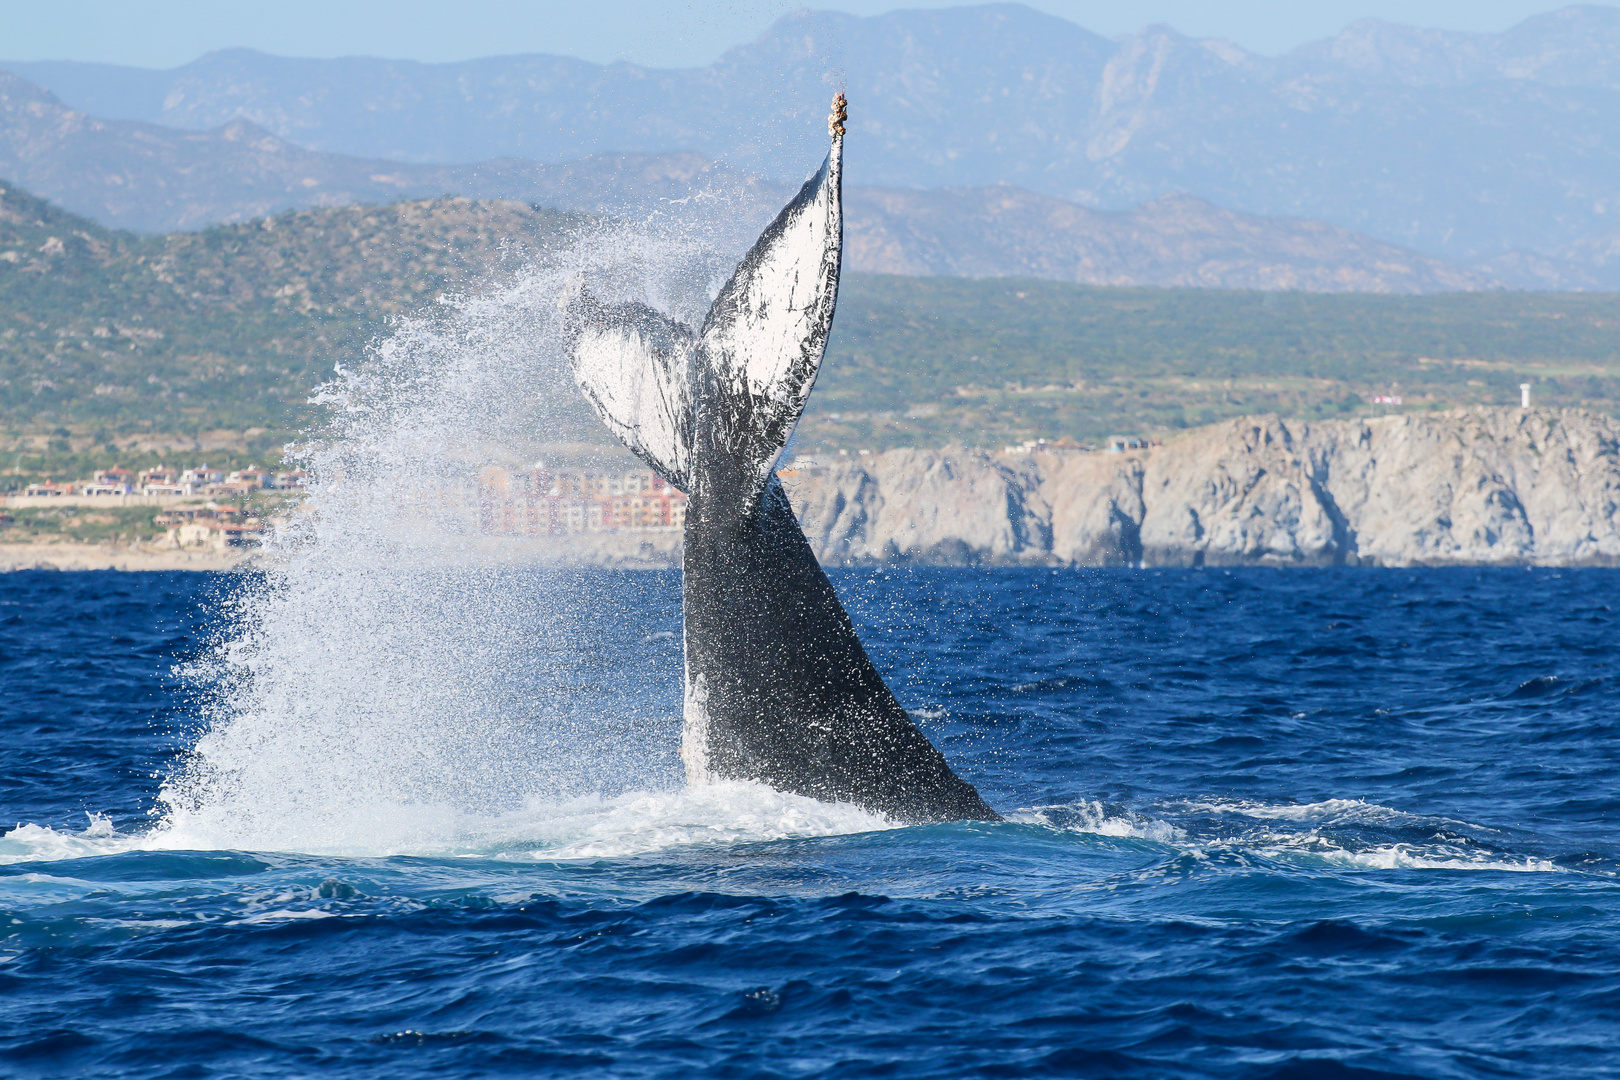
column 74, row 556
column 1475, row 486
column 945, row 507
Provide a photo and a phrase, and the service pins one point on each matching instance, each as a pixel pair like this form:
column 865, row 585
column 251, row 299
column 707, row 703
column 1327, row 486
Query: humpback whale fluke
column 778, row 687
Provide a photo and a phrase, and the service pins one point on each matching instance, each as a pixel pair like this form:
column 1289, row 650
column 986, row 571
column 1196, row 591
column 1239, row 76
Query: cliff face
column 1476, row 486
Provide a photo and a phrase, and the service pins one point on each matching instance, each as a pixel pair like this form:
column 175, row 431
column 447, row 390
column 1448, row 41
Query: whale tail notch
column 745, row 375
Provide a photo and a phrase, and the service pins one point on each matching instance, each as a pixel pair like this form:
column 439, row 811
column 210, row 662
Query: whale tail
column 634, row 366
column 740, row 383
column 778, row 686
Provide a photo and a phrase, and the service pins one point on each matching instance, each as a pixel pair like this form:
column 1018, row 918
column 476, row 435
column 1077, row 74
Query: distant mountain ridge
column 1175, row 240
column 1464, row 146
column 131, row 174
column 152, row 178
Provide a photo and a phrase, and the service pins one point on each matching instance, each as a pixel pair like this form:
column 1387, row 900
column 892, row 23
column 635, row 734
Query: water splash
column 392, row 683
column 583, row 827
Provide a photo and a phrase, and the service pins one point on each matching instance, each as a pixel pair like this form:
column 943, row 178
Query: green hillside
column 943, row 358
column 106, row 334
column 110, row 341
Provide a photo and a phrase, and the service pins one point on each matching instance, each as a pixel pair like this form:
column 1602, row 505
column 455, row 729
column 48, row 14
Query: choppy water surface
column 1304, row 824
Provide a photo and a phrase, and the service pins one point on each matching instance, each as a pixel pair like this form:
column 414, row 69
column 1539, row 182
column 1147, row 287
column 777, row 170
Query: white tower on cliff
column 1524, row 395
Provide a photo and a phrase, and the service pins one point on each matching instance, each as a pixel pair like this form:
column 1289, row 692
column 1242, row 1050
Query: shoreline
column 635, row 551
column 74, row 556
column 624, row 552
column 1476, row 488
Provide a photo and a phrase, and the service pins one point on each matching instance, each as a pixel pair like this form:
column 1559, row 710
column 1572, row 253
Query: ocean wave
column 1313, row 849
column 723, row 813
column 736, row 812
column 1326, row 810
column 1100, row 820
column 1343, row 832
column 1414, row 857
column 1319, row 844
column 41, row 843
column 592, row 827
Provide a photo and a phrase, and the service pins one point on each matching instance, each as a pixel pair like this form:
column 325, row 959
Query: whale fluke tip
column 840, row 113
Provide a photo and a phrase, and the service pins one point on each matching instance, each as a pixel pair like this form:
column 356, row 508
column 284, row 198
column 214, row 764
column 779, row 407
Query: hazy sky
column 164, row 33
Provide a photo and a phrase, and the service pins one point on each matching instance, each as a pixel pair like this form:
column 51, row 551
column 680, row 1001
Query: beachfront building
column 202, row 476
column 217, row 533
column 166, row 481
column 252, row 478
column 114, row 481
column 162, row 480
column 545, row 502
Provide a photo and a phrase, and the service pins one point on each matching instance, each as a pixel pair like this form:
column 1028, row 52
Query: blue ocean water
column 1328, row 823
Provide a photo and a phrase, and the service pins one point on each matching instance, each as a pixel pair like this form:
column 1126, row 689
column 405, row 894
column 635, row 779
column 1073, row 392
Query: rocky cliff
column 1468, row 487
column 1476, row 486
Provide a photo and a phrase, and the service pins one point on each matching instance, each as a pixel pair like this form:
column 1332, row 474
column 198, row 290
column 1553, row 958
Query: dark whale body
column 778, row 686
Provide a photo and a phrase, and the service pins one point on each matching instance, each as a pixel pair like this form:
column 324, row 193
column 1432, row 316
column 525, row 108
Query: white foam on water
column 1100, row 820
column 1321, row 845
column 1336, row 811
column 40, row 843
column 1412, row 857
column 395, row 685
column 1314, row 848
column 282, row 915
column 721, row 813
column 1317, row 846
column 585, row 827
column 1318, row 811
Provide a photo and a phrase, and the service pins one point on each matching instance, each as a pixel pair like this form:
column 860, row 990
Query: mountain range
column 154, row 178
column 137, row 175
column 1462, row 146
column 1175, row 240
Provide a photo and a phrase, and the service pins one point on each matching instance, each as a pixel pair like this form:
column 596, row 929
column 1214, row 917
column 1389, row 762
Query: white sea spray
column 391, row 684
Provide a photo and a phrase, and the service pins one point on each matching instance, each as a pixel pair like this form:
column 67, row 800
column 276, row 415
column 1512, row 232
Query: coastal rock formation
column 77, row 556
column 1466, row 487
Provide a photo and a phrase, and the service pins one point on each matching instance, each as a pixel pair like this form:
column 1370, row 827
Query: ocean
column 1282, row 824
